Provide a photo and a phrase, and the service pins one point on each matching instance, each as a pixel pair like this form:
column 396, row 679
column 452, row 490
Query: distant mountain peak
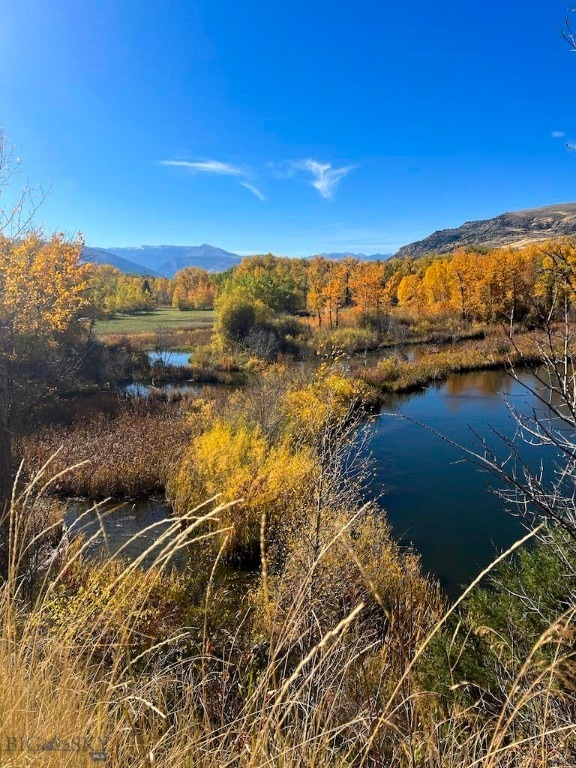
column 169, row 259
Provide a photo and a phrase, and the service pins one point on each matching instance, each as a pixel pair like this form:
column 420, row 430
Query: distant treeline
column 511, row 284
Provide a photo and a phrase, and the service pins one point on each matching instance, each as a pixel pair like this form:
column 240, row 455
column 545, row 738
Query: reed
column 120, row 454
column 395, row 374
column 105, row 660
column 394, row 333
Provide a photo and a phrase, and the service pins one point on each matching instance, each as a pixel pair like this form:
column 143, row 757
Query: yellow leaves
column 306, row 409
column 556, row 277
column 437, row 284
column 499, row 285
column 111, row 291
column 193, row 289
column 367, row 287
column 228, row 459
column 238, row 462
column 43, row 285
column 409, row 290
column 326, row 400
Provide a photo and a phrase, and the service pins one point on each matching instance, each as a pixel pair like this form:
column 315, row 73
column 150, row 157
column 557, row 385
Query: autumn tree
column 43, row 292
column 367, row 289
column 437, row 285
column 555, row 274
column 466, row 275
column 237, row 315
column 272, row 280
column 43, row 288
column 112, row 291
column 337, row 291
column 410, row 291
column 193, row 289
column 318, row 278
column 16, row 214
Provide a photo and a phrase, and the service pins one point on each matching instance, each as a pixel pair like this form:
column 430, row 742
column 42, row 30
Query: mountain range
column 163, row 260
column 166, row 260
column 104, row 256
column 517, row 228
column 361, row 256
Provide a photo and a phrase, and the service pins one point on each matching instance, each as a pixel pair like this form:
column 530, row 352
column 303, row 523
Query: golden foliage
column 43, row 287
column 327, row 399
column 236, row 461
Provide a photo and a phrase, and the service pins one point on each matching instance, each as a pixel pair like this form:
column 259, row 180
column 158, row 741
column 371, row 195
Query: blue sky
column 292, row 127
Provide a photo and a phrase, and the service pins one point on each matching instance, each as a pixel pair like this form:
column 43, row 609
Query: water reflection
column 123, row 527
column 176, row 357
column 140, row 389
column 486, row 383
column 435, row 499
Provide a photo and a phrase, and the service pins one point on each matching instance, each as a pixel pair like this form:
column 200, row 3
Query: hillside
column 517, row 228
column 103, row 256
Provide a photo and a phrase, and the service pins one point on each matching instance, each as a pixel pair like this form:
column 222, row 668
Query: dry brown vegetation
column 126, row 452
column 167, row 338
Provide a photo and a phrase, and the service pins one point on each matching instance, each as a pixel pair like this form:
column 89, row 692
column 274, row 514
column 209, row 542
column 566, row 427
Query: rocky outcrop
column 517, row 229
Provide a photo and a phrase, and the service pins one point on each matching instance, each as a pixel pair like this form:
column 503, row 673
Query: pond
column 434, row 497
column 133, row 529
column 121, row 528
column 172, row 357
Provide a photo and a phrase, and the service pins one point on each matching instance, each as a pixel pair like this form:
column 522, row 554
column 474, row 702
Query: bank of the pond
column 396, row 374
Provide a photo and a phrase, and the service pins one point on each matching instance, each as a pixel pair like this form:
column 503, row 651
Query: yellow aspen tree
column 318, row 277
column 43, row 289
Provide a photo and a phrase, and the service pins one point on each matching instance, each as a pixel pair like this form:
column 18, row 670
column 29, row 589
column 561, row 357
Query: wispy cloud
column 206, row 166
column 253, row 189
column 558, row 134
column 325, row 179
column 322, row 176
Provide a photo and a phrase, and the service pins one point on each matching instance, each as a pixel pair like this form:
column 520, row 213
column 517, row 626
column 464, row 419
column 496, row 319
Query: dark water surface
column 115, row 525
column 435, row 498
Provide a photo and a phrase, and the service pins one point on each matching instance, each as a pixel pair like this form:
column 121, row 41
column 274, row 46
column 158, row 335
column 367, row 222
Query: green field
column 171, row 319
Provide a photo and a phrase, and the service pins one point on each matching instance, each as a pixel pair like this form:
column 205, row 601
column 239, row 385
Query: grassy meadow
column 167, row 318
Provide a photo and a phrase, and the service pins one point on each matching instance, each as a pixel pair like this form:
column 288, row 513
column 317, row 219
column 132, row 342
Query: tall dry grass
column 87, row 663
column 121, row 452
